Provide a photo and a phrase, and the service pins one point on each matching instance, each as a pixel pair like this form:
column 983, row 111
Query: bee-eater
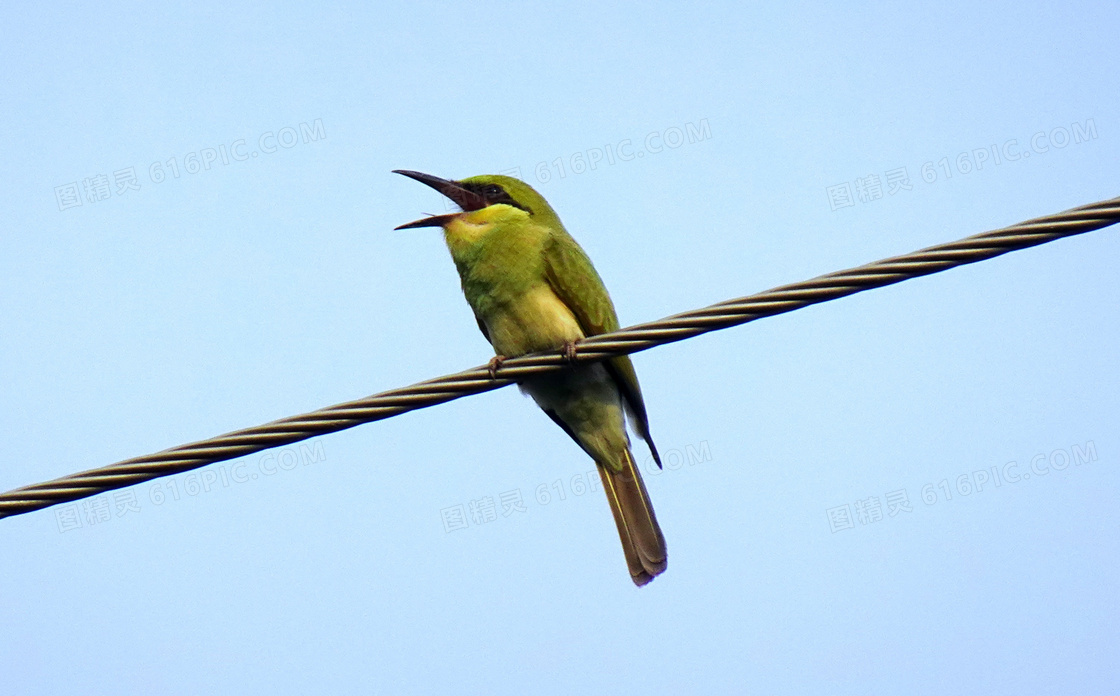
column 532, row 288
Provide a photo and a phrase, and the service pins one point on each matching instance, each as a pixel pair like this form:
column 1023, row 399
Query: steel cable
column 637, row 338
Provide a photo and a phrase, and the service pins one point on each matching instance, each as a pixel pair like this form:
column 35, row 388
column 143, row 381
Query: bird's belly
column 537, row 320
column 586, row 401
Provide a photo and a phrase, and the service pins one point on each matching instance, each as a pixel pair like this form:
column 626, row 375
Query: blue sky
column 840, row 503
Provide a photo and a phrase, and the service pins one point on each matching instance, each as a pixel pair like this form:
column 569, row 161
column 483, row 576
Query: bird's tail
column 642, row 541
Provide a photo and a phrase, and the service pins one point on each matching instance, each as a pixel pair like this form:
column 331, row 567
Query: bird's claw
column 569, row 351
column 494, row 364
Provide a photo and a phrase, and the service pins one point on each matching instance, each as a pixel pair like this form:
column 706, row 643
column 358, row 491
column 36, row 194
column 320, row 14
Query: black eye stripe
column 495, row 194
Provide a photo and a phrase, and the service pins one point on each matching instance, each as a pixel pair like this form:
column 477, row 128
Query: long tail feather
column 642, row 541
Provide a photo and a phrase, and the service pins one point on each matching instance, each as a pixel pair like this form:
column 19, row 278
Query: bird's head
column 484, row 199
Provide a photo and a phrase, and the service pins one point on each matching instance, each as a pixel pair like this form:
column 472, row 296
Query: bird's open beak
column 465, row 198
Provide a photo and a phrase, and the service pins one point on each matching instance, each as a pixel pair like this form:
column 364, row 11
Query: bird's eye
column 492, row 191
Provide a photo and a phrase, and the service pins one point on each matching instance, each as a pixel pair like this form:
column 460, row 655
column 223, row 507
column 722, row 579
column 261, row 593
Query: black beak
column 465, row 198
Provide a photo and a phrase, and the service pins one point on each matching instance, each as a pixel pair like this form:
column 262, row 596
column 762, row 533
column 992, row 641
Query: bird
column 532, row 288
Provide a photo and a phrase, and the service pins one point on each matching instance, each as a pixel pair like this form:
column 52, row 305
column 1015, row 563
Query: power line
column 631, row 340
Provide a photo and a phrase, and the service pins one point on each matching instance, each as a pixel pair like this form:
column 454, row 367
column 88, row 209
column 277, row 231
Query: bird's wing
column 574, row 280
column 482, row 326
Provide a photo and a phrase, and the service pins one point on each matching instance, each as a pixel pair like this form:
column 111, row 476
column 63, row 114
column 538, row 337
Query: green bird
column 532, row 288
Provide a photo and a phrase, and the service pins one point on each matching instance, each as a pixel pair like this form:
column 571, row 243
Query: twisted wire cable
column 637, row 338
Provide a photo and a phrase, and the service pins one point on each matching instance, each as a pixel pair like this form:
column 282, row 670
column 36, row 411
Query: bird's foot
column 569, row 351
column 494, row 364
